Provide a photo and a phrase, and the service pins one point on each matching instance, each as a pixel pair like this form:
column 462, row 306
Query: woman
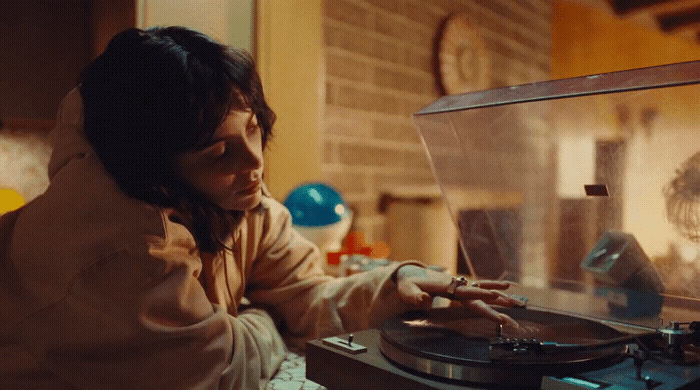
column 129, row 272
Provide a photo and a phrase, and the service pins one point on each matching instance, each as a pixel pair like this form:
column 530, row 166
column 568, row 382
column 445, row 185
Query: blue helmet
column 316, row 204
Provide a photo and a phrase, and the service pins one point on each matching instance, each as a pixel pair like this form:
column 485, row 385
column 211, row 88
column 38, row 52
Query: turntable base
column 339, row 370
column 370, row 370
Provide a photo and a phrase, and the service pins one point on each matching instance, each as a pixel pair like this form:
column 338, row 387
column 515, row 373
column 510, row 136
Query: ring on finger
column 475, row 284
column 452, row 287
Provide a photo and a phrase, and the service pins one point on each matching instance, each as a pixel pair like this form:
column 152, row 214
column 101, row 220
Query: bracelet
column 452, row 287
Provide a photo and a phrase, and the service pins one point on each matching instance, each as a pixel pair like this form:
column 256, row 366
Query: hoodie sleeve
column 287, row 277
column 141, row 320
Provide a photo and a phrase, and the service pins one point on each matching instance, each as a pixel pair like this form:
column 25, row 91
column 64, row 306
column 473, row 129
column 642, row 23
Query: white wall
column 576, row 164
column 229, row 21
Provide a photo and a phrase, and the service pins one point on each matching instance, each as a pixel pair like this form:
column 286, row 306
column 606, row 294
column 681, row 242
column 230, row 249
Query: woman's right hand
column 418, row 286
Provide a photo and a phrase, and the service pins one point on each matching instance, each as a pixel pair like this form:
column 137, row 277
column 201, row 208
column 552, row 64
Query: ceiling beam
column 676, row 20
column 627, row 7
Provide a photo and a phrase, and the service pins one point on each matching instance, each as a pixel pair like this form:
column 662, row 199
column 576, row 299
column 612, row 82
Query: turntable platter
column 454, row 344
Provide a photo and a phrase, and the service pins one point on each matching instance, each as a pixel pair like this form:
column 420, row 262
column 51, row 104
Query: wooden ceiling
column 673, row 17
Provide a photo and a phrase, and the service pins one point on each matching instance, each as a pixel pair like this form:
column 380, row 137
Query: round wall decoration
column 464, row 64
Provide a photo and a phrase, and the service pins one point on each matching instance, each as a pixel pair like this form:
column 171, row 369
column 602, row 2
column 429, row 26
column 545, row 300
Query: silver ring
column 452, row 287
column 475, row 284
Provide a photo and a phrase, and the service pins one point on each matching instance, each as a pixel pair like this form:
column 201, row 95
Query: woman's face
column 228, row 170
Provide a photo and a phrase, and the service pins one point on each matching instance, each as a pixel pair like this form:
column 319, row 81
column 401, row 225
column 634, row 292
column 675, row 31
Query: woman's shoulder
column 83, row 218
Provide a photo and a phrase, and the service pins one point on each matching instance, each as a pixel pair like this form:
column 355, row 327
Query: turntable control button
column 346, row 345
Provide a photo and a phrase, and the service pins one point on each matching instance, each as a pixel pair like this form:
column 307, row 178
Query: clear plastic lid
column 584, row 191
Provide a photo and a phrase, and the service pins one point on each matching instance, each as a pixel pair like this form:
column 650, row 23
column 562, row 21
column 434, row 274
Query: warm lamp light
column 10, row 200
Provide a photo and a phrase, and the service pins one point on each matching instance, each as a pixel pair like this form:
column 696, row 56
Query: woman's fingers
column 491, row 284
column 468, row 293
column 412, row 294
column 418, row 290
column 439, row 287
column 477, row 296
column 487, row 290
column 503, row 299
column 487, row 311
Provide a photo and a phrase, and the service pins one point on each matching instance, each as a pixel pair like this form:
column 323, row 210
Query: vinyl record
column 454, row 344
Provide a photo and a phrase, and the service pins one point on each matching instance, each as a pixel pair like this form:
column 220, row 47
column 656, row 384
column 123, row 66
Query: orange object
column 355, row 244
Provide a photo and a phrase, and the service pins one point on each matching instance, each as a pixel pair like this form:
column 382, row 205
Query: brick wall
column 379, row 70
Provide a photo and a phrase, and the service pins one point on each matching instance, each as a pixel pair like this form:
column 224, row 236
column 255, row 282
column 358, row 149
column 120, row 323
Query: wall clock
column 463, row 61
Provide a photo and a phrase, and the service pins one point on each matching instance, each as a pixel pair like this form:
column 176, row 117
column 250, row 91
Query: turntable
column 449, row 348
column 570, row 189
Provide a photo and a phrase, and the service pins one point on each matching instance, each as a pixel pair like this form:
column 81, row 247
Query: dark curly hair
column 156, row 93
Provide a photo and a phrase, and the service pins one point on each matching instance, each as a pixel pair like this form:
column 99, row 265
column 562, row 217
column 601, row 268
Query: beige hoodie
column 99, row 290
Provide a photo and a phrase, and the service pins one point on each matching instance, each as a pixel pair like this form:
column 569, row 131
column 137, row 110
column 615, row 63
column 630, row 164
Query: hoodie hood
column 67, row 136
